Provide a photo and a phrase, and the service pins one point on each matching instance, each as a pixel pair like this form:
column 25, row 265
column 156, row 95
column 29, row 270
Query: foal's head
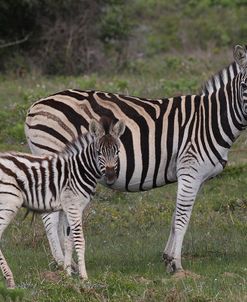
column 107, row 145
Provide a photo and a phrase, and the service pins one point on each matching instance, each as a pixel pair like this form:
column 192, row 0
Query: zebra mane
column 220, row 79
column 78, row 144
column 106, row 122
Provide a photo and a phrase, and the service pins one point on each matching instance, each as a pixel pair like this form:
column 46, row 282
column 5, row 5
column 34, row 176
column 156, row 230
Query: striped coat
column 184, row 139
column 63, row 181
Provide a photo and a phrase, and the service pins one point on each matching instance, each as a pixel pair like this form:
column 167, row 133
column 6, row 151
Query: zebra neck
column 220, row 79
column 80, row 165
column 236, row 117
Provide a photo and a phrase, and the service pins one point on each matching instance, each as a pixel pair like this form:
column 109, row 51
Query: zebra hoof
column 170, row 264
column 10, row 283
column 75, row 268
column 166, row 258
column 84, row 278
column 56, row 266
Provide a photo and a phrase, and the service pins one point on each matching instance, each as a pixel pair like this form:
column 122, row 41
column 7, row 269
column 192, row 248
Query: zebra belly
column 48, row 204
column 154, row 177
column 134, row 184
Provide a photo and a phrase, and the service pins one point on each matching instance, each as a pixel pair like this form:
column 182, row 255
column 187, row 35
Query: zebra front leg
column 64, row 236
column 73, row 206
column 188, row 186
column 68, row 249
column 51, row 223
column 79, row 243
column 8, row 210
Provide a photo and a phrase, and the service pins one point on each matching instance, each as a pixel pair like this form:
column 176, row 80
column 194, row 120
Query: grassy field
column 126, row 233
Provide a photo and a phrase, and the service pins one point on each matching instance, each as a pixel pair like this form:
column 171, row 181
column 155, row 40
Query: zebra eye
column 244, row 85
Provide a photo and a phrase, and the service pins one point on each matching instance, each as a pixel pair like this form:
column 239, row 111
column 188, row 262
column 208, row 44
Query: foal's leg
column 73, row 208
column 56, row 226
column 9, row 205
column 68, row 248
column 51, row 223
column 66, row 241
column 79, row 243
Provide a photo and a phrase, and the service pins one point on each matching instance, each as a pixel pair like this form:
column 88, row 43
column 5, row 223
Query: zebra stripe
column 184, row 139
column 223, row 77
column 63, row 181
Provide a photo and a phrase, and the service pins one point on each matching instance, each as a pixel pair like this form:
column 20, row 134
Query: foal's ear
column 240, row 56
column 118, row 129
column 96, row 129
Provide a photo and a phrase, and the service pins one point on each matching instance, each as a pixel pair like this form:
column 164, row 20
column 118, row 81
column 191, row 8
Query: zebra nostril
column 110, row 175
column 110, row 172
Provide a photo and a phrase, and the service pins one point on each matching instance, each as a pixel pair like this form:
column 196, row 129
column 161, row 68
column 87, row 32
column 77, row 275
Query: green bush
column 82, row 36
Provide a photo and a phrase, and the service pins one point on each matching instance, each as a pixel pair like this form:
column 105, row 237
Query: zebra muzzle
column 110, row 175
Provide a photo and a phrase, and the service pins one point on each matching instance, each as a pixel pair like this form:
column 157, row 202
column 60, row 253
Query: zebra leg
column 8, row 275
column 51, row 223
column 169, row 241
column 65, row 236
column 8, row 210
column 68, row 249
column 73, row 206
column 79, row 242
column 188, row 186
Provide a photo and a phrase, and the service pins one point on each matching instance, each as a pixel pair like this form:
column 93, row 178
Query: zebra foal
column 63, row 181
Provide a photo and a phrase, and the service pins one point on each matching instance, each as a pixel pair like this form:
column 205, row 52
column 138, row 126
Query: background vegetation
column 81, row 36
column 151, row 48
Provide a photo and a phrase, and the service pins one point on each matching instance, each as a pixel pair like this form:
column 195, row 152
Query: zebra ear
column 96, row 129
column 118, row 129
column 240, row 56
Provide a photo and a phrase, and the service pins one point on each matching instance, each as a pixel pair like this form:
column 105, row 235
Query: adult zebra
column 63, row 181
column 184, row 139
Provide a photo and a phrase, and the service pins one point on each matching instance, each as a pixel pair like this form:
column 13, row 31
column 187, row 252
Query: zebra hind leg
column 51, row 223
column 168, row 259
column 8, row 210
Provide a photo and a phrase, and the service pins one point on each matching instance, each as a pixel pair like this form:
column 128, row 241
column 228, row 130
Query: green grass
column 125, row 235
column 126, row 232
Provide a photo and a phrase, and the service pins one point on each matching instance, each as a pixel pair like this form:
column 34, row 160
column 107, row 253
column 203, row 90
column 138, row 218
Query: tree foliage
column 78, row 36
column 62, row 36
